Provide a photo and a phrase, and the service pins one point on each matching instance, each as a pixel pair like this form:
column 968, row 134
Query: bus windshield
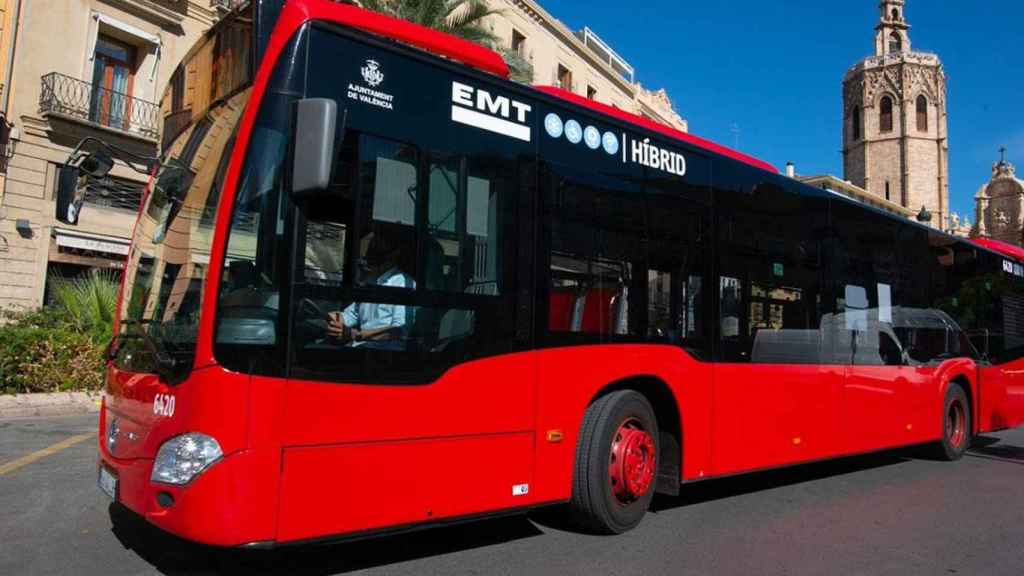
column 171, row 247
column 167, row 266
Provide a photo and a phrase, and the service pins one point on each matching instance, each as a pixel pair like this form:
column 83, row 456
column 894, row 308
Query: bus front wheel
column 956, row 424
column 616, row 463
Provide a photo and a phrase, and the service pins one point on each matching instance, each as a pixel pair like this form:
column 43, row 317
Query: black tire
column 956, row 424
column 596, row 505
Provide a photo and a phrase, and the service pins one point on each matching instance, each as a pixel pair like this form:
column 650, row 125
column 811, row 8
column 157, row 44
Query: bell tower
column 894, row 121
column 892, row 34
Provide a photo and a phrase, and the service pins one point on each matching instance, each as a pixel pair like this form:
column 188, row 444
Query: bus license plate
column 108, row 483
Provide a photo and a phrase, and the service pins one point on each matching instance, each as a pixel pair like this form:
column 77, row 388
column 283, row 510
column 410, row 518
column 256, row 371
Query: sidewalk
column 54, row 404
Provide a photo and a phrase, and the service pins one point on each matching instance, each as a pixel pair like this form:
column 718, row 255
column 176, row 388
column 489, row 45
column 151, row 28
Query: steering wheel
column 307, row 305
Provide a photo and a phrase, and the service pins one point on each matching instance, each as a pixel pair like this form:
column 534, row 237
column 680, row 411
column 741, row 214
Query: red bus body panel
column 233, row 502
column 770, row 415
column 1001, row 397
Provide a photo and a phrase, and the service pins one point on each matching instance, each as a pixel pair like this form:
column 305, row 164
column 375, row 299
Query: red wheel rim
column 956, row 424
column 631, row 464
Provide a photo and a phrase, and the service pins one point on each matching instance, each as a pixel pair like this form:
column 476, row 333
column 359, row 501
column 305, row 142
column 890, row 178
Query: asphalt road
column 894, row 513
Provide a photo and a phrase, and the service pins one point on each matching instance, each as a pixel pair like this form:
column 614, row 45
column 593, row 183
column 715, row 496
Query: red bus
column 375, row 285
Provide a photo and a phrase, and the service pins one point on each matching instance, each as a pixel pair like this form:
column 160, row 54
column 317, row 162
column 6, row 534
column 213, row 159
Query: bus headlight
column 184, row 457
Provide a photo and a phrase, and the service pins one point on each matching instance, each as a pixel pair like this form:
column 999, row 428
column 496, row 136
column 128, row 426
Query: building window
column 885, row 121
column 896, row 14
column 113, row 79
column 591, row 92
column 112, row 192
column 922, row 114
column 855, row 123
column 518, row 42
column 887, row 196
column 895, row 43
column 564, row 78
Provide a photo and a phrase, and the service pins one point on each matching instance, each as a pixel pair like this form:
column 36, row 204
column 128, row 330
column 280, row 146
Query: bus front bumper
column 224, row 506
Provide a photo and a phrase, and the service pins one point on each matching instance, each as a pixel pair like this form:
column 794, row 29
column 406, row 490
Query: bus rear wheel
column 616, row 463
column 956, row 424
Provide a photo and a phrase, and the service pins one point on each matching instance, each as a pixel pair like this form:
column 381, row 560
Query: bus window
column 770, row 265
column 404, row 258
column 675, row 261
column 465, row 222
column 597, row 228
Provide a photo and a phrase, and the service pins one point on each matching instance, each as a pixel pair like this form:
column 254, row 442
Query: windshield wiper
column 166, row 363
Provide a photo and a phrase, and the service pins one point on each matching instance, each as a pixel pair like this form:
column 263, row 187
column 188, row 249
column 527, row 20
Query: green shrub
column 88, row 303
column 59, row 347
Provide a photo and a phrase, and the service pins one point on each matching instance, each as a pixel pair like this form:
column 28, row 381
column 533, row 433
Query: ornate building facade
column 894, row 114
column 577, row 61
column 102, row 78
column 999, row 205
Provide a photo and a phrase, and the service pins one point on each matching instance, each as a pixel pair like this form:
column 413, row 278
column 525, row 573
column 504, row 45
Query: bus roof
column 1003, row 248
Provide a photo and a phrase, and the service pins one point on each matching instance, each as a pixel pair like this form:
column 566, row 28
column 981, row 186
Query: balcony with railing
column 89, row 103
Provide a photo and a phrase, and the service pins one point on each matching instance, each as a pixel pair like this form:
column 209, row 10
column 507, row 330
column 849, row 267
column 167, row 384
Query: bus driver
column 375, row 325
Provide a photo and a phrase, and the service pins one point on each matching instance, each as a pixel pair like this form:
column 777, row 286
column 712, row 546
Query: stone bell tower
column 894, row 121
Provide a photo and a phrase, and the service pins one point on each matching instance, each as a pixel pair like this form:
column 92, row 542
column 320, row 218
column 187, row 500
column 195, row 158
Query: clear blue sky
column 775, row 69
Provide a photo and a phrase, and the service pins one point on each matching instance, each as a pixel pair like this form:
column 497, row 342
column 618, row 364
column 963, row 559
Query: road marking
column 48, row 451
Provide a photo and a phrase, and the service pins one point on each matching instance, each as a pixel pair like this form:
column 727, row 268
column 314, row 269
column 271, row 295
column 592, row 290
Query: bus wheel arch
column 670, row 428
column 965, row 384
column 957, row 420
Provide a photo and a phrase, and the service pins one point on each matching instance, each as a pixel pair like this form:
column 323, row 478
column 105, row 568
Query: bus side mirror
column 73, row 181
column 313, row 152
column 71, row 187
column 97, row 164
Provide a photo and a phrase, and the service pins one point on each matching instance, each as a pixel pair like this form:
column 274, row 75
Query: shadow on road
column 171, row 555
column 989, row 448
column 710, row 490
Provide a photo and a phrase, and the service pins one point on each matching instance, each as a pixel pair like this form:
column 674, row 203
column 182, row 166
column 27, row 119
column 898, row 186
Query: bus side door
column 1001, row 397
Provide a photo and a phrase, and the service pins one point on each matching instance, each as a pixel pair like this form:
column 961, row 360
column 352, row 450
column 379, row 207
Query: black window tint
column 465, row 223
column 250, row 330
column 885, row 269
column 422, row 283
column 983, row 295
column 386, row 215
column 596, row 225
column 770, row 262
column 676, row 246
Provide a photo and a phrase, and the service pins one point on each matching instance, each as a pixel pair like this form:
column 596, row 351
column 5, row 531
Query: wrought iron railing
column 227, row 5
column 114, row 192
column 93, row 103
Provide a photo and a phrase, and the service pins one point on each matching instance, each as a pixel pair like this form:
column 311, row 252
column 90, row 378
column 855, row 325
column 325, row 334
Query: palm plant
column 462, row 18
column 88, row 302
column 520, row 69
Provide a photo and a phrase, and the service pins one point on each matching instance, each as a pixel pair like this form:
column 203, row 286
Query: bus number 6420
column 163, row 405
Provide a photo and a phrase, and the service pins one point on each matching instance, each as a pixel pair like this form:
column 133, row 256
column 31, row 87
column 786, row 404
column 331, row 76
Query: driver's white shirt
column 370, row 316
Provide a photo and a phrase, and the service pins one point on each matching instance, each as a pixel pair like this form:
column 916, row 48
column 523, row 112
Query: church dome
column 999, row 205
column 1004, row 182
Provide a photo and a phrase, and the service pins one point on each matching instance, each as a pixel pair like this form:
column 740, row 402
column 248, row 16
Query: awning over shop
column 92, row 242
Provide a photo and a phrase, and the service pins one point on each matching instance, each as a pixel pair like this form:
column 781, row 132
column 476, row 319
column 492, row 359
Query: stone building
column 80, row 68
column 577, row 61
column 894, row 121
column 999, row 205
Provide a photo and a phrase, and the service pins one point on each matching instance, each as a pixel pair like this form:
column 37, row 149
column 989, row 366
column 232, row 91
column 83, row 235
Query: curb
column 52, row 404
